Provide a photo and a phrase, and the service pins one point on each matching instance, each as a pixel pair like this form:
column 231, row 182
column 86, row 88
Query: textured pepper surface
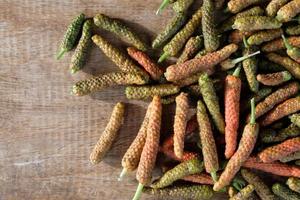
column 286, row 108
column 211, row 100
column 294, row 184
column 288, row 11
column 170, row 30
column 273, row 7
column 202, row 178
column 250, row 69
column 120, row 59
column 289, row 132
column 264, row 36
column 120, row 29
column 143, row 59
column 209, row 31
column 254, row 23
column 292, row 51
column 237, row 36
column 235, row 6
column 144, row 92
column 193, row 45
column 232, row 94
column 244, row 193
column 204, row 63
column 278, row 44
column 149, row 153
column 284, row 192
column 106, row 80
column 71, row 35
column 180, row 6
column 79, row 57
column 180, row 122
column 293, row 30
column 186, row 168
column 280, row 151
column 185, row 192
column 189, row 80
column 209, row 149
column 169, row 99
column 186, row 155
column 109, row 134
column 260, row 187
column 295, row 119
column 291, row 157
column 274, row 79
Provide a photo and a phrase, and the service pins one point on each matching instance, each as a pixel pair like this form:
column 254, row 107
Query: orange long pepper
column 202, row 178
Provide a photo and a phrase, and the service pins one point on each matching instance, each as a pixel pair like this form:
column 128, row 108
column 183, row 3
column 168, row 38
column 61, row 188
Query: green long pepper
column 292, row 51
column 284, row 192
column 182, row 5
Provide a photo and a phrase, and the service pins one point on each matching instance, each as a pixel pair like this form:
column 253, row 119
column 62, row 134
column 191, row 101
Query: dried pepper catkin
column 151, row 67
column 144, row 92
column 280, row 151
column 237, row 36
column 169, row 99
column 120, row 59
column 211, row 100
column 244, row 193
column 293, row 30
column 264, row 36
column 109, row 134
column 204, row 63
column 210, row 33
column 170, row 30
column 209, row 149
column 274, row 6
column 288, row 107
column 202, row 178
column 106, row 80
column 79, row 57
column 186, row 155
column 180, row 121
column 193, row 45
column 295, row 119
column 190, row 192
column 120, row 29
column 179, row 40
column 254, row 23
column 284, row 192
column 235, row 6
column 232, row 95
column 278, row 44
column 260, row 187
column 189, row 80
column 180, row 6
column 292, row 66
column 289, row 132
column 291, row 157
column 244, row 150
column 294, row 184
column 149, row 153
column 288, row 11
column 186, row 168
column 230, row 63
column 71, row 35
column 291, row 51
column 274, row 79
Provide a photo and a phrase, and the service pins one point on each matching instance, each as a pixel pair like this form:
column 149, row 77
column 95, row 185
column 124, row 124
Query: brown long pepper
column 204, row 63
column 280, row 151
column 185, row 157
column 274, row 79
column 278, row 44
column 235, row 6
column 237, row 36
column 286, row 108
column 143, row 59
column 180, row 121
column 149, row 153
column 202, row 178
column 109, row 134
column 288, row 11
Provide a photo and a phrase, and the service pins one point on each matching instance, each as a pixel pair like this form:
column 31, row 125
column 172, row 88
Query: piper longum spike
column 193, row 45
column 274, row 6
column 255, row 23
column 274, row 79
column 288, row 11
column 250, row 68
column 235, row 6
column 283, row 134
column 180, row 6
column 294, row 184
column 284, row 192
column 264, row 36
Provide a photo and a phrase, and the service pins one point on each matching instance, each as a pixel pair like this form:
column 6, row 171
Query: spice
column 244, row 193
column 293, row 30
column 120, row 59
column 284, row 192
column 100, row 82
column 235, row 6
column 79, row 57
column 274, row 79
column 120, row 29
column 278, row 44
column 204, row 63
column 169, row 99
column 264, row 36
column 186, row 155
column 237, row 36
column 291, row 157
column 210, row 33
column 201, row 53
column 211, row 100
column 144, row 92
column 291, row 51
column 170, row 30
column 243, row 152
column 259, row 96
column 202, row 178
column 274, row 6
column 180, row 121
column 71, row 35
column 288, row 107
column 163, row 5
column 193, row 45
column 289, row 132
column 254, row 23
column 209, row 149
column 288, row 11
column 189, row 80
column 179, row 40
column 260, row 187
column 186, row 168
column 230, row 63
column 232, row 191
column 143, row 59
column 295, row 119
column 149, row 153
column 294, row 184
column 180, row 6
column 232, row 95
column 109, row 134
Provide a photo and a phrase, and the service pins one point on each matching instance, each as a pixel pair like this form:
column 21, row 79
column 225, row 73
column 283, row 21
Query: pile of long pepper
column 238, row 65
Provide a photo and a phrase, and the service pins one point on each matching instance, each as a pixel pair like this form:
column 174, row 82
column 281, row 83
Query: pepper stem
column 245, row 42
column 123, row 173
column 61, row 53
column 214, row 176
column 138, row 192
column 162, row 6
column 163, row 57
column 286, row 43
column 238, row 183
column 252, row 119
column 286, row 76
column 237, row 71
column 240, row 59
